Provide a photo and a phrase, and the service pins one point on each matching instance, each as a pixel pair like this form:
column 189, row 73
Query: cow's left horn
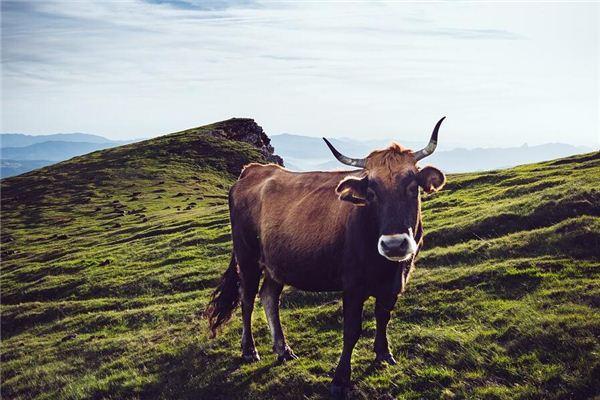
column 355, row 162
column 430, row 148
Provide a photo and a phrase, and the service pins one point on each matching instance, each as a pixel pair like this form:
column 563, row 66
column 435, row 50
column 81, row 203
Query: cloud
column 204, row 4
column 297, row 66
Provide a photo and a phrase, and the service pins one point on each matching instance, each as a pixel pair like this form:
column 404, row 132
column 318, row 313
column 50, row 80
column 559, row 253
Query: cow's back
column 295, row 219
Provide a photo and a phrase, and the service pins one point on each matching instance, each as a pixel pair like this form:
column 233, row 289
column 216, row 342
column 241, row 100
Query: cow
column 355, row 231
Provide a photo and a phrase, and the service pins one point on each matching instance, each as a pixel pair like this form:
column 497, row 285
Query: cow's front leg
column 383, row 311
column 353, row 306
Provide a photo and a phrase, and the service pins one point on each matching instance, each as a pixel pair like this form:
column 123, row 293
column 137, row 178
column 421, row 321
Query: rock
column 247, row 130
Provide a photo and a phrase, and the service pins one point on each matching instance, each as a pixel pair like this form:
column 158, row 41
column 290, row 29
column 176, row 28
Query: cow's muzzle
column 397, row 247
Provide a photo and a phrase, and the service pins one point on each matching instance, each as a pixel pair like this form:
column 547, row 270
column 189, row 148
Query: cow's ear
column 354, row 189
column 431, row 179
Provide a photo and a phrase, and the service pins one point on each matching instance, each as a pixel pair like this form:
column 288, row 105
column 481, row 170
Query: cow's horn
column 355, row 162
column 430, row 148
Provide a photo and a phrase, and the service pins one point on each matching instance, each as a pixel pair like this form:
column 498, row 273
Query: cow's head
column 390, row 186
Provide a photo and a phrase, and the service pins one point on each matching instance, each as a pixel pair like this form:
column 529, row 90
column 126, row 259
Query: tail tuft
column 225, row 298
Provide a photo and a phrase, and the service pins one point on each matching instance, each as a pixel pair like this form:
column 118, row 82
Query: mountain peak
column 248, row 131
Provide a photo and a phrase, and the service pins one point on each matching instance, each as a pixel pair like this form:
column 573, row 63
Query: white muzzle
column 397, row 247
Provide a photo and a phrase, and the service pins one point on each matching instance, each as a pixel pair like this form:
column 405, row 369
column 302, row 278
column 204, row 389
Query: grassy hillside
column 107, row 259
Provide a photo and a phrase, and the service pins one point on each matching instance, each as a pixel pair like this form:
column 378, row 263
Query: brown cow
column 353, row 231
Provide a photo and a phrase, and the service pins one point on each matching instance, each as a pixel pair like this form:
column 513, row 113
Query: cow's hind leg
column 249, row 280
column 269, row 297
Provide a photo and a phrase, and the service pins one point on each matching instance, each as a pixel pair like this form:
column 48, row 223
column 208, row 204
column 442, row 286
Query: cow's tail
column 225, row 298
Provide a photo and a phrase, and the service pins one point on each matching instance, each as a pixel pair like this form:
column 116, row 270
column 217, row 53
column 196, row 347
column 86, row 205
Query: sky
column 503, row 72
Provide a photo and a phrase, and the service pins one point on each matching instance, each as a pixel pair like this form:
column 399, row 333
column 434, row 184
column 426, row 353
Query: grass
column 108, row 258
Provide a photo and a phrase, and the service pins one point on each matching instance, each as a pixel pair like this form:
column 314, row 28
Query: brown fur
column 305, row 230
column 394, row 158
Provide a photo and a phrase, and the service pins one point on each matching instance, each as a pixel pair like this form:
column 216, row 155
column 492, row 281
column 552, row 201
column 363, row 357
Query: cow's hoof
column 287, row 355
column 250, row 357
column 385, row 359
column 338, row 392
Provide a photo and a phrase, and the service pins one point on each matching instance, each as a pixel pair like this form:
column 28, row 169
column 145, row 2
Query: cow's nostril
column 394, row 245
column 403, row 244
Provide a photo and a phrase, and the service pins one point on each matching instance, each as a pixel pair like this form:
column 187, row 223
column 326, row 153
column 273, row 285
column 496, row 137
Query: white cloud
column 504, row 73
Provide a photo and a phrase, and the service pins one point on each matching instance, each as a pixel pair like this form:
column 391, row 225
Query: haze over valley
column 21, row 153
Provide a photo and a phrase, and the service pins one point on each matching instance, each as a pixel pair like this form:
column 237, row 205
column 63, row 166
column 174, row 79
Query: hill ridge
column 107, row 259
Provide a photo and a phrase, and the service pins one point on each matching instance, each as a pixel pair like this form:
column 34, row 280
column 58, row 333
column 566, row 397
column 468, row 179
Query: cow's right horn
column 354, row 162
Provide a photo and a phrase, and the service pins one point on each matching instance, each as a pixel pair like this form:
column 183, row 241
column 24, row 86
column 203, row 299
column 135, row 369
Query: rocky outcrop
column 247, row 130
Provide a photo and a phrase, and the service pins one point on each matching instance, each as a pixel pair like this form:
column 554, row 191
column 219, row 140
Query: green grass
column 108, row 258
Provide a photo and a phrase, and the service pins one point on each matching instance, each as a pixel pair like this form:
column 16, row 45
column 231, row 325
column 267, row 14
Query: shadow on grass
column 500, row 224
column 292, row 298
column 196, row 374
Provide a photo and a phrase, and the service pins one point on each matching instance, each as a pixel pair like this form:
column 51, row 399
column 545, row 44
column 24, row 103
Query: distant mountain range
column 304, row 153
column 20, row 153
column 52, row 150
column 17, row 167
column 22, row 140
